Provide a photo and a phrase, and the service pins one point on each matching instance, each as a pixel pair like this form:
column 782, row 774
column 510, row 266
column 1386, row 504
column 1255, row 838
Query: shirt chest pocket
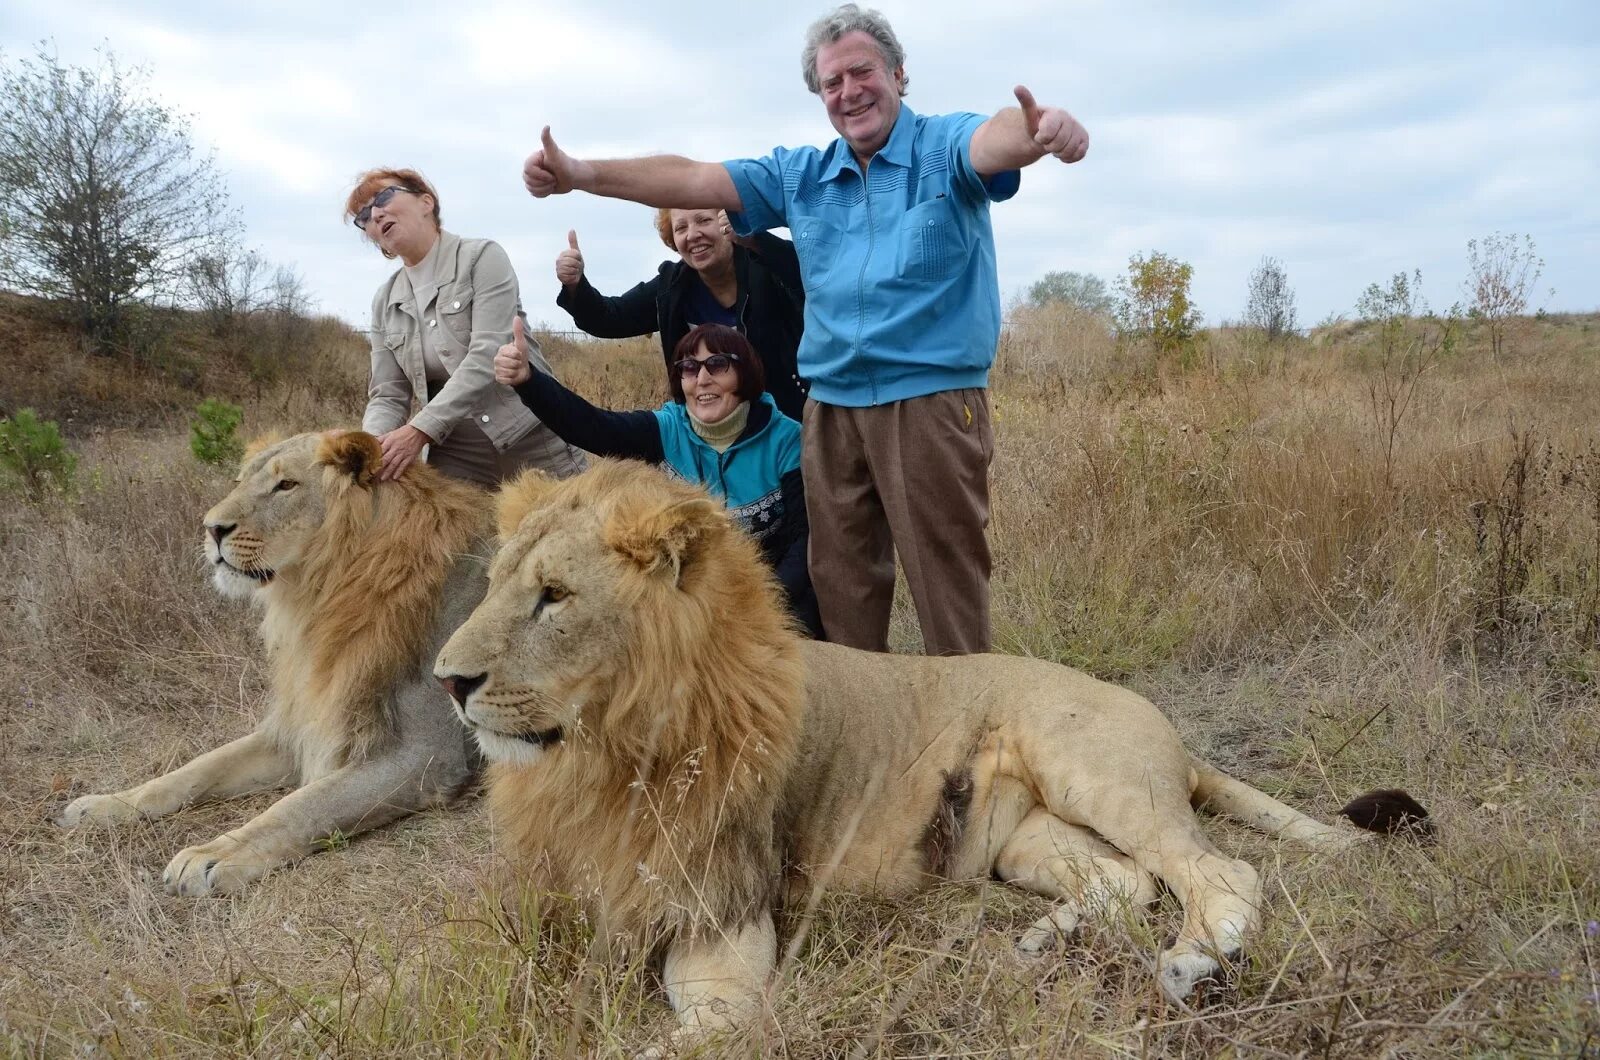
column 931, row 244
column 816, row 243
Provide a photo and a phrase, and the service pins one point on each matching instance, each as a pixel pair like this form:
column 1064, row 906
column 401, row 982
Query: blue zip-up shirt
column 902, row 293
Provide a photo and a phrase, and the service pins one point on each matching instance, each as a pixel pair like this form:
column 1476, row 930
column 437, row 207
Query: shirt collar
column 897, row 151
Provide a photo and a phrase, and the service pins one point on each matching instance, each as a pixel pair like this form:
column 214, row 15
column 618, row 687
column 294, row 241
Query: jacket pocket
column 455, row 312
column 930, row 241
column 817, row 244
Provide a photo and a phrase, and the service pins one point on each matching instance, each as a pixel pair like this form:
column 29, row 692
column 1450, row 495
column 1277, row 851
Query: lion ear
column 355, row 453
column 663, row 539
column 519, row 497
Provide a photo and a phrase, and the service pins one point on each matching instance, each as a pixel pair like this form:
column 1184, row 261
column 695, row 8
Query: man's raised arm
column 1021, row 135
column 657, row 180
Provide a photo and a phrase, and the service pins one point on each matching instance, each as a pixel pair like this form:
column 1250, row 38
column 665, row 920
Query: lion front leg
column 715, row 982
column 345, row 802
column 249, row 764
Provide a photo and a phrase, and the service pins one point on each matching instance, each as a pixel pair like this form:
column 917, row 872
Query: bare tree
column 1271, row 310
column 227, row 286
column 1504, row 270
column 1408, row 341
column 103, row 198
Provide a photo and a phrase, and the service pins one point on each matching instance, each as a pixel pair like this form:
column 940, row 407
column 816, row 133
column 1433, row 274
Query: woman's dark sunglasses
column 379, row 201
column 716, row 364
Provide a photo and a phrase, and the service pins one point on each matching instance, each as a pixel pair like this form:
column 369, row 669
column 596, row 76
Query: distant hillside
column 314, row 366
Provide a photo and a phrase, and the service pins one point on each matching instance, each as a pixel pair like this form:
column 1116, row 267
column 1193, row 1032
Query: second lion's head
column 625, row 608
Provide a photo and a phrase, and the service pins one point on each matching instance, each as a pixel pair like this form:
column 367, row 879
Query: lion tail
column 1389, row 811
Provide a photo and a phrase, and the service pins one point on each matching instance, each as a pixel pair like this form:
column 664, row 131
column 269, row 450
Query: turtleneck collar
column 722, row 434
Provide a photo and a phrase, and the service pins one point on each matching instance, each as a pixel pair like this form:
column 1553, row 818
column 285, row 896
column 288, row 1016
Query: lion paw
column 221, row 866
column 1041, row 938
column 1185, row 966
column 98, row 810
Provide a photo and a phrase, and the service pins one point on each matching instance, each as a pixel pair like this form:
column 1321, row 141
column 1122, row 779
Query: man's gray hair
column 845, row 19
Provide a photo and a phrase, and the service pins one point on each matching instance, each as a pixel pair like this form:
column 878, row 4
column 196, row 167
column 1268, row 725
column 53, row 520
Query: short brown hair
column 664, row 227
column 373, row 181
column 719, row 338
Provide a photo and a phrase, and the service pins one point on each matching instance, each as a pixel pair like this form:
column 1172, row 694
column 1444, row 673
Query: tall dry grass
column 1230, row 540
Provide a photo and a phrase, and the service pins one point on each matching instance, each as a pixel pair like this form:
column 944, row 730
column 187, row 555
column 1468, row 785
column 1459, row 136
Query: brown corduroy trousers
column 910, row 478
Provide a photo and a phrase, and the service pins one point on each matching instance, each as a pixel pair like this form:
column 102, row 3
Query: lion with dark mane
column 663, row 745
column 359, row 583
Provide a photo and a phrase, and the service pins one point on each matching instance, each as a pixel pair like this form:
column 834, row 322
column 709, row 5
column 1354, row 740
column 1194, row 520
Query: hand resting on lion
column 663, row 745
column 358, row 583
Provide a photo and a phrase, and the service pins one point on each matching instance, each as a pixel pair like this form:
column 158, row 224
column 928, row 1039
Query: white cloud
column 1350, row 140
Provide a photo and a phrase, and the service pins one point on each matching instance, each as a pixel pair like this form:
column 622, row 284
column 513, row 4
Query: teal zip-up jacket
column 758, row 477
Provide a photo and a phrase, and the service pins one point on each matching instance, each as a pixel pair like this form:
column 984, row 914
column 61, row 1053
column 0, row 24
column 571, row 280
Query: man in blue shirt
column 891, row 224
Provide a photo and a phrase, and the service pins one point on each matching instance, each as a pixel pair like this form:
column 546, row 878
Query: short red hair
column 373, row 181
column 664, row 228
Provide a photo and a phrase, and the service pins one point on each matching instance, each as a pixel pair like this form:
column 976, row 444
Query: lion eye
column 552, row 594
column 284, row 486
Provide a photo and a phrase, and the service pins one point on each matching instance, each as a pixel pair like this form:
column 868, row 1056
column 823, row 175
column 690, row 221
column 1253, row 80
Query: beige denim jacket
column 471, row 317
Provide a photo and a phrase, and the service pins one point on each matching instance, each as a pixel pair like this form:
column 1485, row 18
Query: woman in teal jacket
column 721, row 430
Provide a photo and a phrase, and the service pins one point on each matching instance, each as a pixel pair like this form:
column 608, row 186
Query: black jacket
column 770, row 309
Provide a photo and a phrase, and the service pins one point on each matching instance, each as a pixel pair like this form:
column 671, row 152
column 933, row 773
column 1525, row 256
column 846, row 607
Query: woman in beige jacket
column 436, row 324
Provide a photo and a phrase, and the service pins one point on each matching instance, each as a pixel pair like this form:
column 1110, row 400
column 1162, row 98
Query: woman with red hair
column 750, row 284
column 436, row 324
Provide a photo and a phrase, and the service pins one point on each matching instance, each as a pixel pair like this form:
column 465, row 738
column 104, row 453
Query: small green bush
column 33, row 453
column 213, row 433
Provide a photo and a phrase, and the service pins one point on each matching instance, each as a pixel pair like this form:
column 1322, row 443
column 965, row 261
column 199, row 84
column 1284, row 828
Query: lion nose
column 220, row 530
column 462, row 687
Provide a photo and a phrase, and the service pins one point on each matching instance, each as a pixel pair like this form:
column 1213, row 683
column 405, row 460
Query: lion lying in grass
column 359, row 584
column 663, row 745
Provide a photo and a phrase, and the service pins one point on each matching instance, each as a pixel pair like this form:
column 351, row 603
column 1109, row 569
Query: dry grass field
column 1333, row 573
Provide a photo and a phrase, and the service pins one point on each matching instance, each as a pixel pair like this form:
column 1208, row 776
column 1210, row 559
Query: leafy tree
column 103, row 199
column 1153, row 303
column 1271, row 310
column 1077, row 289
column 1504, row 270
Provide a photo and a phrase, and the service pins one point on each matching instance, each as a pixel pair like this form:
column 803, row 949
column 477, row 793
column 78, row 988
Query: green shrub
column 213, row 433
column 31, row 451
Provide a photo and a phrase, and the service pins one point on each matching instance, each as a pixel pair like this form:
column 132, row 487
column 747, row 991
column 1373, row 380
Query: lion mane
column 665, row 746
column 683, row 767
column 352, row 618
column 359, row 582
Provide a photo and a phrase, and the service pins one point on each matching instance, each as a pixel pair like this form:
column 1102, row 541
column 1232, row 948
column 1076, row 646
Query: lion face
column 263, row 528
column 595, row 574
column 544, row 642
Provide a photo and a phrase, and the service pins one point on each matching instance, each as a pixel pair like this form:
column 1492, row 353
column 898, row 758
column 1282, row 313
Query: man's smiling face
column 860, row 92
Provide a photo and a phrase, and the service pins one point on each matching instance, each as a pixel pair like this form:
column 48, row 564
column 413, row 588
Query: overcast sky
column 1351, row 140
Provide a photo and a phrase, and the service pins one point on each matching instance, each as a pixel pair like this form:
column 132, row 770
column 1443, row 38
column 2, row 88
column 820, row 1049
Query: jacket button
column 484, row 418
column 455, row 305
column 433, row 323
